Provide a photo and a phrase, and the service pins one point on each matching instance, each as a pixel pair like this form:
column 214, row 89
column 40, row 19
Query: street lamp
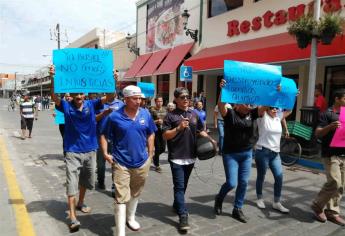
column 15, row 82
column 189, row 32
column 132, row 47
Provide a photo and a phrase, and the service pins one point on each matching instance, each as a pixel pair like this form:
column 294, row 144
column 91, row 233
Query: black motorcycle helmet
column 205, row 149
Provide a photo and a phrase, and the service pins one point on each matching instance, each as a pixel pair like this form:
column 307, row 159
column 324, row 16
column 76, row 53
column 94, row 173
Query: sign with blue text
column 287, row 96
column 186, row 73
column 83, row 70
column 251, row 83
column 148, row 89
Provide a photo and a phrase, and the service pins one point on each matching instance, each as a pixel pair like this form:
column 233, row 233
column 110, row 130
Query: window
column 217, row 7
column 334, row 81
column 163, row 87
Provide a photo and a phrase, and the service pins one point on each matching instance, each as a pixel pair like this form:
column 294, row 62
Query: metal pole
column 15, row 82
column 313, row 59
column 58, row 34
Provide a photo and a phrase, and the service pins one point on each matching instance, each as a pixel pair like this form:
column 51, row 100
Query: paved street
column 40, row 171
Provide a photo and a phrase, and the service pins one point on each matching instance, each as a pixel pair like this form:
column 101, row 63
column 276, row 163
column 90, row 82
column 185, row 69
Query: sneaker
column 158, row 169
column 113, row 190
column 183, row 224
column 218, row 205
column 238, row 215
column 260, row 203
column 320, row 216
column 279, row 207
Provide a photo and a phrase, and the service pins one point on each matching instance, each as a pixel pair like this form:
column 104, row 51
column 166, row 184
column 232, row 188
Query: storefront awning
column 271, row 49
column 153, row 63
column 174, row 59
column 137, row 65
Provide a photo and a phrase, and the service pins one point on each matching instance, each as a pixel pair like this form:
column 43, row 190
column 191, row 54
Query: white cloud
column 25, row 24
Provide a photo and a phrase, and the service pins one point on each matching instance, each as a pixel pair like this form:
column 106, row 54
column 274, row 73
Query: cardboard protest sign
column 59, row 117
column 148, row 89
column 83, row 70
column 286, row 98
column 339, row 135
column 250, row 83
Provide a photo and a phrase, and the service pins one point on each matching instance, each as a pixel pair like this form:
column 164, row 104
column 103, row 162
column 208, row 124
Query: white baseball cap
column 131, row 90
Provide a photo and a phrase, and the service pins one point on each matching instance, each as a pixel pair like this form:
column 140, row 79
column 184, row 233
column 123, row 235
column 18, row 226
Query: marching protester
column 180, row 128
column 158, row 113
column 239, row 139
column 80, row 145
column 131, row 130
column 201, row 113
column 111, row 104
column 27, row 111
column 326, row 206
column 267, row 154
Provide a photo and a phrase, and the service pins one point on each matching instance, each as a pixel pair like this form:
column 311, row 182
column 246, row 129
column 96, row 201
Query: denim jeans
column 220, row 126
column 265, row 158
column 180, row 175
column 237, row 168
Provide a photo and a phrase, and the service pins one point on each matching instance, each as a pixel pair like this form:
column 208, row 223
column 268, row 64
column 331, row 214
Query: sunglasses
column 184, row 97
column 274, row 108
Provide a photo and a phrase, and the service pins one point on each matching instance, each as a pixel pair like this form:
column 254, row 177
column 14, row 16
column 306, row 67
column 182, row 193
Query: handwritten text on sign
column 83, row 70
column 250, row 83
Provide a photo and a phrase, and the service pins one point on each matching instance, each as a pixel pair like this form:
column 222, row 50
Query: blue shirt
column 114, row 105
column 80, row 126
column 129, row 137
column 201, row 114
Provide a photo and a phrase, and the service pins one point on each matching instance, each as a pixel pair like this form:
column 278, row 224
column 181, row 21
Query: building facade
column 243, row 30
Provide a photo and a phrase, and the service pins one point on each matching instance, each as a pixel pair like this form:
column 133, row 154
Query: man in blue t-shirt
column 80, row 144
column 201, row 113
column 112, row 104
column 131, row 130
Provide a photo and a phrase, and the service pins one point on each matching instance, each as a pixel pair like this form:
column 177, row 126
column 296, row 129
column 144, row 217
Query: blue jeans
column 237, row 168
column 180, row 175
column 220, row 127
column 265, row 158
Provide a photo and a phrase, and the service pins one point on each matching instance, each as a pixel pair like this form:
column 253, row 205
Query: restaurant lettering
column 281, row 17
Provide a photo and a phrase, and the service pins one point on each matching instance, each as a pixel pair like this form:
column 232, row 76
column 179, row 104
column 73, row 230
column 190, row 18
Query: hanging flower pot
column 302, row 29
column 329, row 26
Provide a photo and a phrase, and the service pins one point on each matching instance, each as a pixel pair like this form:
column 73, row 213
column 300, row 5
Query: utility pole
column 313, row 58
column 15, row 82
column 58, row 34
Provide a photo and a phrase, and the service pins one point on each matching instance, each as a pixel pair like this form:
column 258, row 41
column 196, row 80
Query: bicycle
column 290, row 151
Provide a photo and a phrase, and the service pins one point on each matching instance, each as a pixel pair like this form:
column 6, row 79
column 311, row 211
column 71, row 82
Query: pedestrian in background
column 158, row 113
column 27, row 110
column 326, row 205
column 170, row 107
column 131, row 130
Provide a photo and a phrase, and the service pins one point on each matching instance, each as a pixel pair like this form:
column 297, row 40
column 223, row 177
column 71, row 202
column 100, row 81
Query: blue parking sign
column 186, row 73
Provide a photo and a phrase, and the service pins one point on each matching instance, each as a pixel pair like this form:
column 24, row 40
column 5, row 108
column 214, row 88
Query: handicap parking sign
column 186, row 73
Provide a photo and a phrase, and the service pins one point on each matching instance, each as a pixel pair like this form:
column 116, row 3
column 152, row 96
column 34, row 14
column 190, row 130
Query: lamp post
column 15, row 82
column 313, row 59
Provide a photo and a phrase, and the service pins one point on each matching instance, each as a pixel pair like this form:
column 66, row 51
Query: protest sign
column 148, row 89
column 250, row 83
column 286, row 98
column 338, row 139
column 83, row 70
column 59, row 117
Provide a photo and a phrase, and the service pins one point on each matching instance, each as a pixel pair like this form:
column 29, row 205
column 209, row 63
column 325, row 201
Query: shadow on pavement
column 99, row 224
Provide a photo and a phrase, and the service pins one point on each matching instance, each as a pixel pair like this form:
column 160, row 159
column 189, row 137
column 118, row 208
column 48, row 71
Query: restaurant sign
column 281, row 17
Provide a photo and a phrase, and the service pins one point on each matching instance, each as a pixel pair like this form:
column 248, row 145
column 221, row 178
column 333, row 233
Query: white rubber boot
column 120, row 219
column 131, row 209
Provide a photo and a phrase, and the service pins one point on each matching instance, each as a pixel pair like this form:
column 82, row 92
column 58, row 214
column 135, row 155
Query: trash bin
column 310, row 116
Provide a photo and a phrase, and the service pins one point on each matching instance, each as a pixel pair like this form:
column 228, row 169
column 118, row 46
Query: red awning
column 276, row 48
column 174, row 59
column 137, row 65
column 153, row 63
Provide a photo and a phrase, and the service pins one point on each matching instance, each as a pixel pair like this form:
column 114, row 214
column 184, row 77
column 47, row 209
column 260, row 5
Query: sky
column 25, row 27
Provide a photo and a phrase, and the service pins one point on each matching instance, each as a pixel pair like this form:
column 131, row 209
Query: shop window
column 217, row 7
column 335, row 80
column 163, row 87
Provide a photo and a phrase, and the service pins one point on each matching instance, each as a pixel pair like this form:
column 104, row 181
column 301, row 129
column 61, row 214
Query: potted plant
column 303, row 29
column 329, row 26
